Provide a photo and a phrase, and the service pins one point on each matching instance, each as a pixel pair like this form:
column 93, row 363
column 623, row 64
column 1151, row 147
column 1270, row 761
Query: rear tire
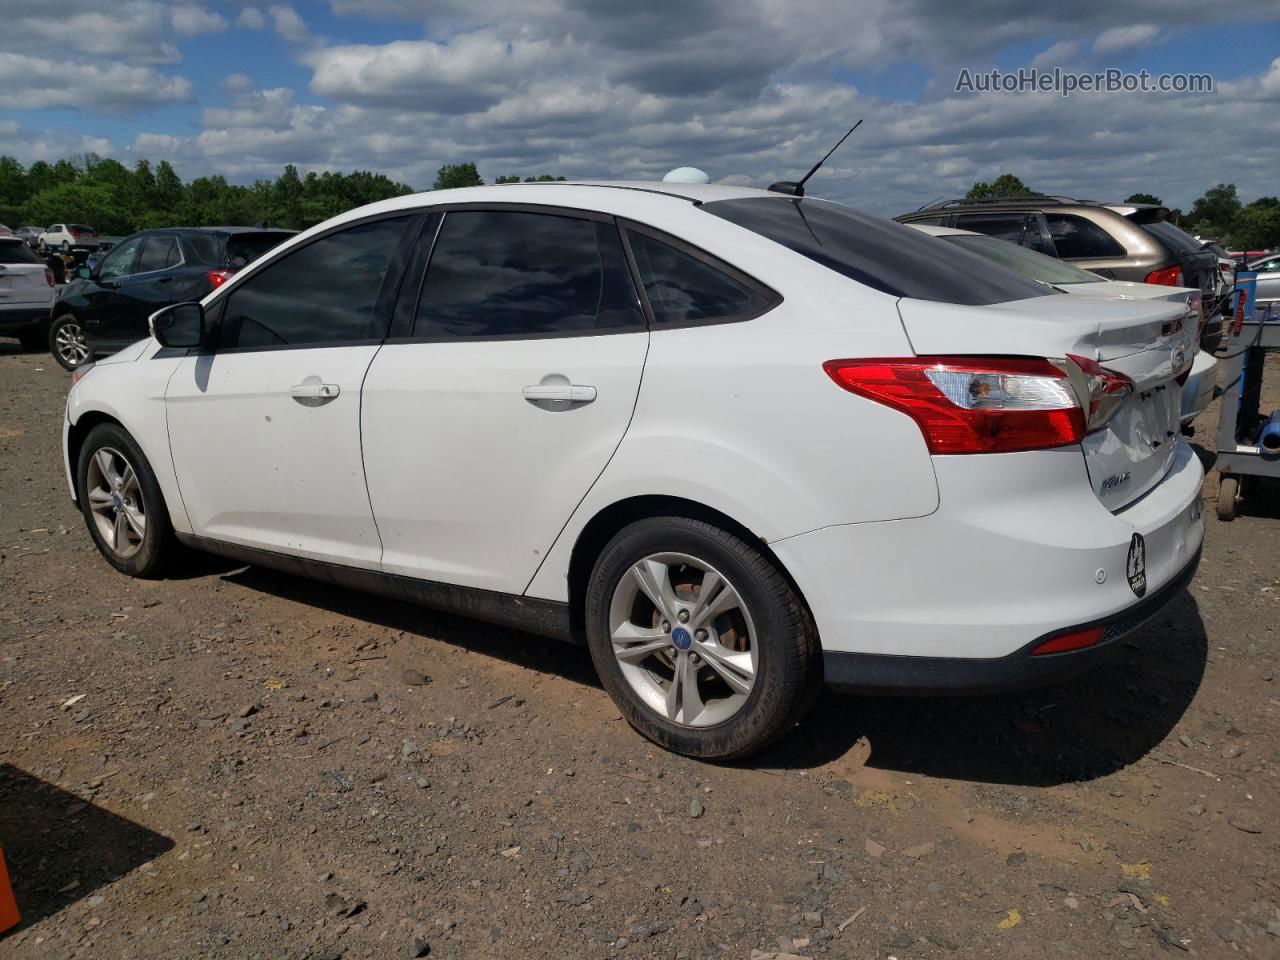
column 1228, row 493
column 122, row 504
column 730, row 660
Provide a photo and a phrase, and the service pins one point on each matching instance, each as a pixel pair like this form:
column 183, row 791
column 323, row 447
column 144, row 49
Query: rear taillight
column 972, row 404
column 219, row 277
column 1066, row 642
column 1107, row 390
column 1166, row 277
column 48, row 277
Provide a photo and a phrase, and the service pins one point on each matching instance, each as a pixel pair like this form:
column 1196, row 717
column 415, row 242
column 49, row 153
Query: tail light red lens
column 1166, row 277
column 972, row 404
column 1066, row 642
column 1107, row 390
column 219, row 277
column 48, row 277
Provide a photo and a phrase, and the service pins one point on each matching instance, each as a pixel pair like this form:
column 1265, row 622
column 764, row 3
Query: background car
column 1129, row 241
column 5, row 231
column 65, row 237
column 1267, row 267
column 106, row 307
column 26, row 293
column 1199, row 390
column 29, row 235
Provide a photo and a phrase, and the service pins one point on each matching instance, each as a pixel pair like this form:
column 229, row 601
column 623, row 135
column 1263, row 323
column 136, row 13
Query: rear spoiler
column 1143, row 214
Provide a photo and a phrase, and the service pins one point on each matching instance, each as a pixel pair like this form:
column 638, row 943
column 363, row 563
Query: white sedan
column 1198, row 391
column 737, row 443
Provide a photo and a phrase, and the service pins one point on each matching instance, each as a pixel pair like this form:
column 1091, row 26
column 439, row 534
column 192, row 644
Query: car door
column 510, row 385
column 145, row 289
column 100, row 300
column 265, row 428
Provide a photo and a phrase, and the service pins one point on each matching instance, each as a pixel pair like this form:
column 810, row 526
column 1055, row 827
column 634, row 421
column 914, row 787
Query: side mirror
column 84, row 273
column 181, row 325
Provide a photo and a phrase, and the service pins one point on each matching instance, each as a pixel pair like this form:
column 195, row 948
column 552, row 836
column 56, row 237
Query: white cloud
column 251, row 18
column 1131, row 37
column 1060, row 53
column 190, row 20
column 110, row 88
column 291, row 26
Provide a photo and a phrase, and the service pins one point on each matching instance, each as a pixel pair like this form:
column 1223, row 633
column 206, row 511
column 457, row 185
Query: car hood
column 129, row 354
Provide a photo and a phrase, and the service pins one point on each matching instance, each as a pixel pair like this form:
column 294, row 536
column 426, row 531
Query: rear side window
column 159, row 253
column 516, row 274
column 881, row 254
column 327, row 292
column 1078, row 238
column 16, row 251
column 683, row 288
column 204, row 249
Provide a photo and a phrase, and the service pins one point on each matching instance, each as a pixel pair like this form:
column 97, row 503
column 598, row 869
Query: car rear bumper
column 1197, row 392
column 1019, row 550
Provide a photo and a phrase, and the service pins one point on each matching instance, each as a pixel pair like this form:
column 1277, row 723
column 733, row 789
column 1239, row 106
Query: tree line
column 114, row 199
column 1218, row 214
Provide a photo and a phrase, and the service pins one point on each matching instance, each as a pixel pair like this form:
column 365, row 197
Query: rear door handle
column 312, row 393
column 563, row 392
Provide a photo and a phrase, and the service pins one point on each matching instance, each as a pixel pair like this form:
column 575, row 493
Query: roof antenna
column 793, row 189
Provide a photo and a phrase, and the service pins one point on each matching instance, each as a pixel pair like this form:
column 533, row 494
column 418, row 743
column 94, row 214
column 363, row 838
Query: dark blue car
column 106, row 307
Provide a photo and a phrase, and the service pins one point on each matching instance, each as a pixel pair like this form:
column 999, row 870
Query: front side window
column 516, row 273
column 683, row 288
column 159, row 253
column 881, row 254
column 1077, row 238
column 1003, row 226
column 327, row 292
column 119, row 262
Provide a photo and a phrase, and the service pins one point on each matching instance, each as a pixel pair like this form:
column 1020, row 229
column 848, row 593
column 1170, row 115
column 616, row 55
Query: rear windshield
column 244, row 248
column 16, row 251
column 884, row 255
column 1023, row 262
column 80, row 228
column 1175, row 238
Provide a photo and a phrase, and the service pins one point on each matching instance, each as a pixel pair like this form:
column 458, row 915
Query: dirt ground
column 230, row 764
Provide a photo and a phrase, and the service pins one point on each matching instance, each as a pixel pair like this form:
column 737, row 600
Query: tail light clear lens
column 219, row 277
column 972, row 404
column 1167, row 277
column 1107, row 390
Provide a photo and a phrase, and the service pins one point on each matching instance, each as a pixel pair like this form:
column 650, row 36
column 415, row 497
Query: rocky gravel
column 234, row 763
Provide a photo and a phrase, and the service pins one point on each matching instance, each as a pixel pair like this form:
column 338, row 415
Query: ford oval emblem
column 681, row 638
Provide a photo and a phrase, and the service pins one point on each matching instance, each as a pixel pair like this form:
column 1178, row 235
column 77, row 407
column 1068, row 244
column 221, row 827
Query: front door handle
column 312, row 393
column 558, row 392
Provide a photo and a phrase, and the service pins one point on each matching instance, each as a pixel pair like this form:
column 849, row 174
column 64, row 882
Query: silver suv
column 1119, row 241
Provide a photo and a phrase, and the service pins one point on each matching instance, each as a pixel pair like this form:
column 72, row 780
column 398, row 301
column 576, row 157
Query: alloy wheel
column 71, row 345
column 684, row 639
column 115, row 500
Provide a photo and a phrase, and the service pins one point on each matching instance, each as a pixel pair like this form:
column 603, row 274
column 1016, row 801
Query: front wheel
column 699, row 638
column 67, row 342
column 122, row 503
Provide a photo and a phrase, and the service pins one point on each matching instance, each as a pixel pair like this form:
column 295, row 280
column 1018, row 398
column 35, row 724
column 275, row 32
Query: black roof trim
column 1047, row 200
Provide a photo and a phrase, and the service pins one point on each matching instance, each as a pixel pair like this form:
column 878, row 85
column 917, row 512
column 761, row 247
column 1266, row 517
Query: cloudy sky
column 749, row 90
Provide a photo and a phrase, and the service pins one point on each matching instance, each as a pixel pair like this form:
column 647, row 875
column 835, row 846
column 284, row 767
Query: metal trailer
column 1239, row 458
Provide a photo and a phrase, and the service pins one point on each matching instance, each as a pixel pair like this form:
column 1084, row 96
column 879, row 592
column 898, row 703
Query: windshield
column 881, row 254
column 1023, row 262
column 16, row 251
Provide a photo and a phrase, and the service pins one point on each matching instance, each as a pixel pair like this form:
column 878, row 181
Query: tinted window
column 1076, row 237
column 81, row 228
column 509, row 274
column 884, row 255
column 203, row 248
column 931, row 221
column 1005, row 226
column 16, row 251
column 684, row 289
column 326, row 292
column 159, row 253
column 119, row 262
column 1024, row 262
column 1173, row 237
column 244, row 248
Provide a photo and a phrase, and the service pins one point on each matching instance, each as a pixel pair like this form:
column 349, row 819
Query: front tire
column 699, row 639
column 67, row 342
column 122, row 503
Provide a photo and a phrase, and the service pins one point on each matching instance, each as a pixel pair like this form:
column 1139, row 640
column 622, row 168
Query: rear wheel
column 122, row 503
column 700, row 639
column 67, row 342
column 1228, row 493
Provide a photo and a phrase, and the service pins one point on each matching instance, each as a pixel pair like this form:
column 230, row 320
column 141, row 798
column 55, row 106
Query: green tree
column 1257, row 226
column 1216, row 211
column 1143, row 198
column 457, row 175
column 96, row 205
column 515, row 179
column 1005, row 185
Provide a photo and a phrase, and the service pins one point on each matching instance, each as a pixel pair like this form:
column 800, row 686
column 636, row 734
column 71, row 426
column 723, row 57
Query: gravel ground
column 236, row 763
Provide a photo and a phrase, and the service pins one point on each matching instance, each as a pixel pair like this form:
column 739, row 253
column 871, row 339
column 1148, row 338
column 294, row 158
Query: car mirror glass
column 84, row 273
column 181, row 325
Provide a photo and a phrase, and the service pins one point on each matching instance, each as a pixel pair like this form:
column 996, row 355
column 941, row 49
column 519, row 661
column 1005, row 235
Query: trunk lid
column 22, row 283
column 1150, row 342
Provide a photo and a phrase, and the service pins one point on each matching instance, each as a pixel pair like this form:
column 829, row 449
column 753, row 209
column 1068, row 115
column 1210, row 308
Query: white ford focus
column 739, row 443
